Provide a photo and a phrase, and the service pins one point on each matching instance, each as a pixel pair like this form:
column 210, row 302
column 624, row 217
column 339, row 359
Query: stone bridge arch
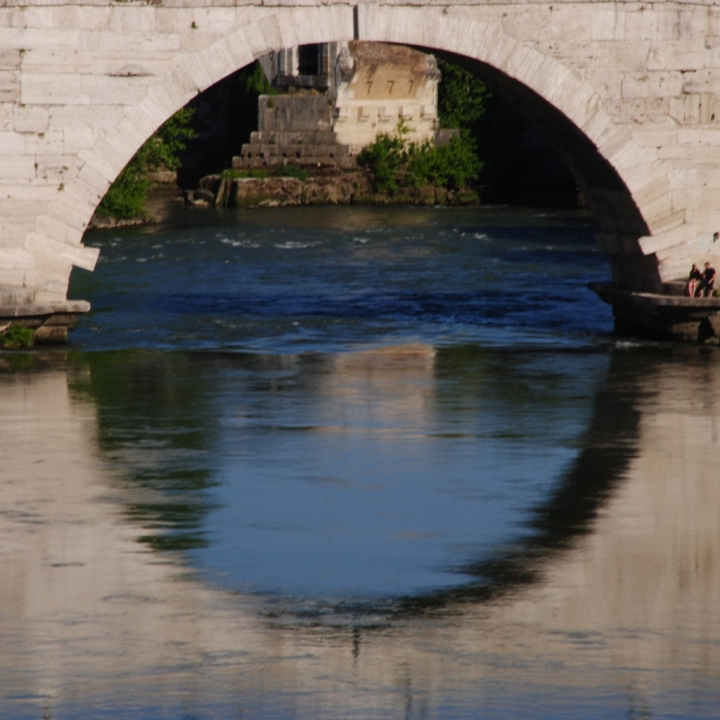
column 95, row 79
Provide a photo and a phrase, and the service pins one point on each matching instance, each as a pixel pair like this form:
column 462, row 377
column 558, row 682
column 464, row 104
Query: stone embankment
column 342, row 188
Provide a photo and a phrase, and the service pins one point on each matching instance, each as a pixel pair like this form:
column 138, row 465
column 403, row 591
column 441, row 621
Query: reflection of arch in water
column 92, row 622
column 611, row 166
column 608, row 447
column 170, row 494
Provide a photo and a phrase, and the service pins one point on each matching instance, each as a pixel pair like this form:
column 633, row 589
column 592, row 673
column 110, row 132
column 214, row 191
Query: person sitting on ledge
column 694, row 278
column 705, row 288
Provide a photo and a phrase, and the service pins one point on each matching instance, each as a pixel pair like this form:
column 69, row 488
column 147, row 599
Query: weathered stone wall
column 627, row 91
column 330, row 188
column 295, row 128
column 384, row 85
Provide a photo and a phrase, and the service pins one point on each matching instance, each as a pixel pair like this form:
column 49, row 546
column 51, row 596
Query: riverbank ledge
column 667, row 316
column 344, row 188
column 50, row 322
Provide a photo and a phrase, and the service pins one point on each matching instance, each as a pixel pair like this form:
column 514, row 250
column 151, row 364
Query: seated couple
column 700, row 284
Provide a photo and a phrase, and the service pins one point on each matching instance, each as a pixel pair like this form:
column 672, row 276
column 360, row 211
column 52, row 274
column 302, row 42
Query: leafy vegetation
column 396, row 162
column 462, row 98
column 251, row 83
column 126, row 196
column 17, row 337
column 290, row 170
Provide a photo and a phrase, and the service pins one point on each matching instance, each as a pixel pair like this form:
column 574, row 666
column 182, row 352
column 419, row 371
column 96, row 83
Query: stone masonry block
column 677, row 56
column 611, row 138
column 523, row 63
column 464, row 30
column 13, row 231
column 238, row 47
column 650, row 137
column 30, row 119
column 7, row 116
column 130, row 42
column 709, row 137
column 74, row 213
column 570, row 21
column 32, row 193
column 18, row 167
column 652, row 84
column 166, row 104
column 90, row 185
column 200, row 71
column 57, row 61
column 50, row 89
column 132, row 19
column 608, row 24
column 676, row 152
column 655, row 189
column 76, row 139
column 10, row 87
column 10, row 59
column 50, row 228
column 15, row 277
column 102, row 162
column 117, row 65
column 105, row 90
column 218, row 60
column 12, row 143
column 287, row 29
column 16, row 259
column 666, row 220
column 373, row 21
column 48, row 39
column 84, row 117
column 521, row 24
column 51, row 143
column 496, row 47
column 701, row 81
column 641, row 25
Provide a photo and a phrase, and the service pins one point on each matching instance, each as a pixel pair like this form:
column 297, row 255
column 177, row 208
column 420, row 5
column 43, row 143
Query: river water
column 357, row 463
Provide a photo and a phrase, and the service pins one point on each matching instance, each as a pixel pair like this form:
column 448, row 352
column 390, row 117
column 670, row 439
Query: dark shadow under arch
column 607, row 195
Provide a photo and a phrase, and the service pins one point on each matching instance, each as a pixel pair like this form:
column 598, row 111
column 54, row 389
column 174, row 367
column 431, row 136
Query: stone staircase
column 294, row 129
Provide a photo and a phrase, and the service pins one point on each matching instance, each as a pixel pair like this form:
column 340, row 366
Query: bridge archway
column 603, row 157
column 626, row 184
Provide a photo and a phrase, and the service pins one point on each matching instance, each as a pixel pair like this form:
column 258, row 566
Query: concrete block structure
column 627, row 92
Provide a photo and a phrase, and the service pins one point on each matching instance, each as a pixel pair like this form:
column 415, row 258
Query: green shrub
column 233, row 174
column 396, row 162
column 17, row 337
column 291, row 170
column 126, row 196
column 461, row 97
column 385, row 157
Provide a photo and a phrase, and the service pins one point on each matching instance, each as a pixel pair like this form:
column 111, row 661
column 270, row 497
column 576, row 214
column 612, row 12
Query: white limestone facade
column 628, row 92
column 383, row 88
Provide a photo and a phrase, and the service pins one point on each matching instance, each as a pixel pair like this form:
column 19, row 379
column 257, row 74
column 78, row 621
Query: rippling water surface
column 358, row 463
